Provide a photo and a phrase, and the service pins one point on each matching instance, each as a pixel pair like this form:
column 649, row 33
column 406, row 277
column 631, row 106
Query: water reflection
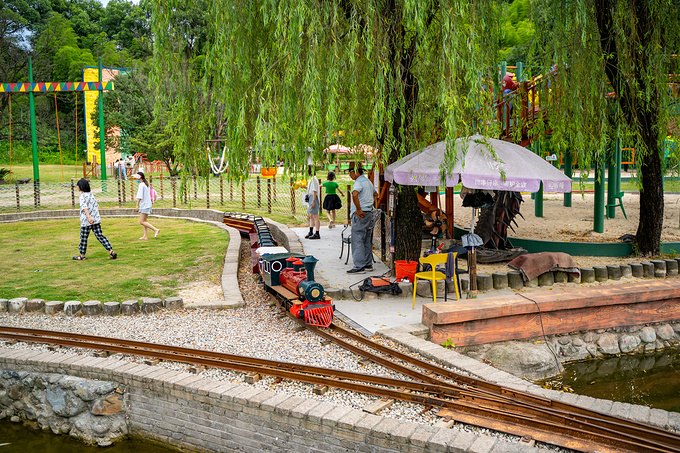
column 648, row 380
column 15, row 438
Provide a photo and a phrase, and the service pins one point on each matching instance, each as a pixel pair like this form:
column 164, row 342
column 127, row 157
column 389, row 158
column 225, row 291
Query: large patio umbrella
column 482, row 163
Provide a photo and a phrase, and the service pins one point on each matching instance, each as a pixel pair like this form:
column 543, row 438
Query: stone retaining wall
column 196, row 414
column 89, row 307
column 532, row 360
column 87, row 409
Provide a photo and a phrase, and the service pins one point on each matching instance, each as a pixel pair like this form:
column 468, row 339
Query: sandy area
column 575, row 224
column 557, row 224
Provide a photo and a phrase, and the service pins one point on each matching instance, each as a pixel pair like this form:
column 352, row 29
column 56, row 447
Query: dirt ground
column 575, row 224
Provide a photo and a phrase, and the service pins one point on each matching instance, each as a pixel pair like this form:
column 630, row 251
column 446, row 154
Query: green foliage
column 448, row 344
column 612, row 48
column 4, row 172
column 70, row 61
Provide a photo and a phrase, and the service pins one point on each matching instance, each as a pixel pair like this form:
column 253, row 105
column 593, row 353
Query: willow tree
column 626, row 48
column 285, row 76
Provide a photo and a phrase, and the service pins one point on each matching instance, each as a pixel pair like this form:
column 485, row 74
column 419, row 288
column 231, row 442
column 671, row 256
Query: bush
column 3, row 172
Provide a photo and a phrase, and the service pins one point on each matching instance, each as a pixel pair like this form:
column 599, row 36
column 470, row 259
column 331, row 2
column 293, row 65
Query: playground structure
column 43, row 87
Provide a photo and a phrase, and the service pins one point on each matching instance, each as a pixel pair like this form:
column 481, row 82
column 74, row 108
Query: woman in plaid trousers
column 90, row 221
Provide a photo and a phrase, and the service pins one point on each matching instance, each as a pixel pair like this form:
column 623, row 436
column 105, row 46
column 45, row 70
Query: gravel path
column 255, row 331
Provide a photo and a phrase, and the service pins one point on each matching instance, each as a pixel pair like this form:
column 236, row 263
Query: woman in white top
column 144, row 204
column 313, row 194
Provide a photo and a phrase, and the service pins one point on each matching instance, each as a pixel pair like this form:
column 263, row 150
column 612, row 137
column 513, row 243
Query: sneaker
column 368, row 268
column 309, row 235
column 355, row 271
column 331, row 224
column 315, row 236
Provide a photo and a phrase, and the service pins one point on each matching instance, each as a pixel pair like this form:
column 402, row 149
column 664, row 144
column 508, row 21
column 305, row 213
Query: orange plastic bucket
column 406, row 270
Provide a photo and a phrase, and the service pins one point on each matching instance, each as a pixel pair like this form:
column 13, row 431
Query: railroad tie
column 377, row 406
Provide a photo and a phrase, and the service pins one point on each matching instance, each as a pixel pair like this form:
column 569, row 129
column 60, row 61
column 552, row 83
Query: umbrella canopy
column 337, row 149
column 513, row 167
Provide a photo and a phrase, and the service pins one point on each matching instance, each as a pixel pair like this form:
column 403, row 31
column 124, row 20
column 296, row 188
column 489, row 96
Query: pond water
column 16, row 438
column 648, row 380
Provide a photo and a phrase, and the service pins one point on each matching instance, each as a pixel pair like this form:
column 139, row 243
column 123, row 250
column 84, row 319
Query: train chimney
column 310, row 263
column 290, row 261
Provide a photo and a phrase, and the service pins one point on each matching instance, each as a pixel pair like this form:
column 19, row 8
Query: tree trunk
column 648, row 236
column 641, row 111
column 408, row 231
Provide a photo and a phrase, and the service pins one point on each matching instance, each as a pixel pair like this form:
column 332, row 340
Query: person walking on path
column 331, row 201
column 90, row 220
column 144, row 205
column 313, row 194
column 363, row 197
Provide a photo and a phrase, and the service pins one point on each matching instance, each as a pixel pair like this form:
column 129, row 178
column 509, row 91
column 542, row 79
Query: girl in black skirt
column 331, row 202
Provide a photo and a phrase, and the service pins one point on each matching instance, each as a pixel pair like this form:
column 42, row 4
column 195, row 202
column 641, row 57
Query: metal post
column 161, row 179
column 207, row 191
column 102, row 145
column 243, row 196
column 292, row 196
column 269, row 196
column 383, row 244
column 221, row 191
column 274, row 187
column 598, row 210
column 120, row 202
column 567, row 172
column 36, row 193
column 231, row 190
column 538, row 199
column 195, row 188
column 349, row 201
column 34, row 136
column 173, row 182
column 73, row 195
column 259, row 195
column 611, row 183
column 16, row 186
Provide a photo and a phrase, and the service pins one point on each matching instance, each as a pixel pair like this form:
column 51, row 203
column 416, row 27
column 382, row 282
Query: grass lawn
column 37, row 259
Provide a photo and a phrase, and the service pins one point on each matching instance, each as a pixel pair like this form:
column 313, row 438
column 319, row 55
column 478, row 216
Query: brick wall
column 197, row 414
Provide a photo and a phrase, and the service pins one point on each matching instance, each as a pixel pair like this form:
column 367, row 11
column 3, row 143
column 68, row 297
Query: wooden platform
column 513, row 317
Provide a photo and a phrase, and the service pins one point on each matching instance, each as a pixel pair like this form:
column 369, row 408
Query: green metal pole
column 598, row 209
column 568, row 171
column 538, row 196
column 619, row 157
column 611, row 183
column 102, row 147
column 34, row 136
column 520, row 70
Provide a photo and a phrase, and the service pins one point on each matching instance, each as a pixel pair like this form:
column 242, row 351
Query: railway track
column 459, row 397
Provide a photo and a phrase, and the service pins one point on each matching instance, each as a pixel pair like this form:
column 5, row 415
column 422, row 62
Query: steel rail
column 511, row 422
column 551, row 407
column 199, row 356
column 495, row 395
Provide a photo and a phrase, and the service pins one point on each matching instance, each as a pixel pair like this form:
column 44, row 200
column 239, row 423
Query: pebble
column 253, row 331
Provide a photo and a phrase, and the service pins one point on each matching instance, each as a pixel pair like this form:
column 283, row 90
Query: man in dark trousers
column 363, row 196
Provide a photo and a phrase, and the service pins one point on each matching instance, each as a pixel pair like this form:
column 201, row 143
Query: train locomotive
column 289, row 275
column 292, row 276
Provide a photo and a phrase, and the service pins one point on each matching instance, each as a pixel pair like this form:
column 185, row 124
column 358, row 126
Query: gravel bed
column 254, row 330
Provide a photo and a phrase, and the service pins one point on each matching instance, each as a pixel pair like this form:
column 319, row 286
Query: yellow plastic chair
column 434, row 275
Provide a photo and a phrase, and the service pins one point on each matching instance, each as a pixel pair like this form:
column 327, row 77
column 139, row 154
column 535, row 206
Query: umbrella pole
column 472, row 263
